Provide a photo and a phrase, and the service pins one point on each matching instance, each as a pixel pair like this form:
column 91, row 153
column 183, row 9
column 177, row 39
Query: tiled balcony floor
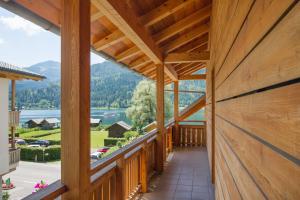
column 186, row 176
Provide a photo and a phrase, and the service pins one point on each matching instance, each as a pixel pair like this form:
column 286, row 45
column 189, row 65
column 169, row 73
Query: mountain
column 50, row 69
column 111, row 86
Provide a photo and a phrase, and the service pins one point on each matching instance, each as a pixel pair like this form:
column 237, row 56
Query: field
column 97, row 137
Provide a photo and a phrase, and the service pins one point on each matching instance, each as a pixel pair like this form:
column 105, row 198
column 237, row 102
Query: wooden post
column 160, row 117
column 144, row 170
column 75, row 98
column 120, row 179
column 213, row 128
column 176, row 112
column 13, row 108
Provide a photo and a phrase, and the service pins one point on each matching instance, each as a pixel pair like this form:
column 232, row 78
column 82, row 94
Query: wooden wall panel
column 255, row 57
column 262, row 16
column 272, row 116
column 279, row 64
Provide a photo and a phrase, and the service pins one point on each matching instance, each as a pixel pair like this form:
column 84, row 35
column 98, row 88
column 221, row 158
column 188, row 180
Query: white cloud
column 1, row 41
column 18, row 23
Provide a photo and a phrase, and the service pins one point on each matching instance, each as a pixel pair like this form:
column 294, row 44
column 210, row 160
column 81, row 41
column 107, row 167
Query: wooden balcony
column 14, row 118
column 14, row 158
column 126, row 173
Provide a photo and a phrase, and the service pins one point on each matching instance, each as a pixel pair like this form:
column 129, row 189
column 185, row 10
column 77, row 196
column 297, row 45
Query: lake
column 107, row 116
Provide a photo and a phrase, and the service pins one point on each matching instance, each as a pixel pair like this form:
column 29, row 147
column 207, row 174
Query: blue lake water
column 107, row 116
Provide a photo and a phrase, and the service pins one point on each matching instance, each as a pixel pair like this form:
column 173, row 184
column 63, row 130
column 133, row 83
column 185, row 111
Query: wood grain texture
column 75, row 98
column 261, row 69
column 261, row 18
column 280, row 181
column 273, row 116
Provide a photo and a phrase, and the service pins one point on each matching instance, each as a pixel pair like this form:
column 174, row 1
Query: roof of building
column 13, row 72
column 49, row 120
column 52, row 120
column 122, row 124
column 95, row 121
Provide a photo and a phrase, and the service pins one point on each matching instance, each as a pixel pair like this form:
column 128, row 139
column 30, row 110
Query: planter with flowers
column 7, row 185
column 39, row 186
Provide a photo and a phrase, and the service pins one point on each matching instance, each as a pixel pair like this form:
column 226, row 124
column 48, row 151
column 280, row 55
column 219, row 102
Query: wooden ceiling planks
column 141, row 33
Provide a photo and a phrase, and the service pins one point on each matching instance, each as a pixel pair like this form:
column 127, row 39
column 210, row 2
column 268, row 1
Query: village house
column 45, row 124
column 9, row 118
column 95, row 122
column 118, row 129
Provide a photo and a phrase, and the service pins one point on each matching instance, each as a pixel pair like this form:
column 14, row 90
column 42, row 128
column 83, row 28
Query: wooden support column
column 144, row 170
column 13, row 108
column 160, row 115
column 75, row 98
column 176, row 111
column 213, row 125
column 120, row 179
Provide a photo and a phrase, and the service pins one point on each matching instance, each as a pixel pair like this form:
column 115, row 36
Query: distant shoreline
column 94, row 108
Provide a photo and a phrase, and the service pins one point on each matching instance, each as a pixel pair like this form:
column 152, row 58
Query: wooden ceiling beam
column 167, row 8
column 192, row 77
column 123, row 17
column 170, row 71
column 109, row 40
column 183, row 24
column 184, row 65
column 193, row 69
column 139, row 62
column 199, row 42
column 186, row 38
column 128, row 53
column 97, row 15
column 200, row 56
column 187, row 67
column 148, row 68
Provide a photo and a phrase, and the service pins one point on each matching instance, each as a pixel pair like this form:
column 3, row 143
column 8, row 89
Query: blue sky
column 23, row 43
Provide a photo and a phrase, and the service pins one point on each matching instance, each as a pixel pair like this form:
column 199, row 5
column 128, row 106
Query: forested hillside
column 111, row 86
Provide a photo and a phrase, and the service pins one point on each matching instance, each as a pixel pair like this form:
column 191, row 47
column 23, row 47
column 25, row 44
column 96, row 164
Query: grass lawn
column 97, row 138
column 37, row 133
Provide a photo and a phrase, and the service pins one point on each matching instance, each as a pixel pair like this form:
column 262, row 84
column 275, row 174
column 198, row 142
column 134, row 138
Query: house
column 47, row 123
column 50, row 123
column 33, row 123
column 95, row 122
column 9, row 119
column 118, row 129
column 248, row 148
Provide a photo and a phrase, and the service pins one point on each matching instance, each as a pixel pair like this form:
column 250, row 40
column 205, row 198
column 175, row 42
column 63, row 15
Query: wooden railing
column 51, row 192
column 14, row 118
column 192, row 135
column 14, row 157
column 126, row 170
column 120, row 175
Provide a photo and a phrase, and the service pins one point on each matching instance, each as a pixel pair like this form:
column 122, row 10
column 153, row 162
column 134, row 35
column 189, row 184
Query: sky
column 23, row 43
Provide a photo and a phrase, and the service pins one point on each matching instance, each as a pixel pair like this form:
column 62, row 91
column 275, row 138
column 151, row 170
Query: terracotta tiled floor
column 186, row 176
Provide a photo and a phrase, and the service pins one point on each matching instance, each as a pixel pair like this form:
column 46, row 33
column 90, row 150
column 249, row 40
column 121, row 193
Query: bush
column 40, row 154
column 52, row 142
column 113, row 141
column 5, row 195
column 130, row 135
